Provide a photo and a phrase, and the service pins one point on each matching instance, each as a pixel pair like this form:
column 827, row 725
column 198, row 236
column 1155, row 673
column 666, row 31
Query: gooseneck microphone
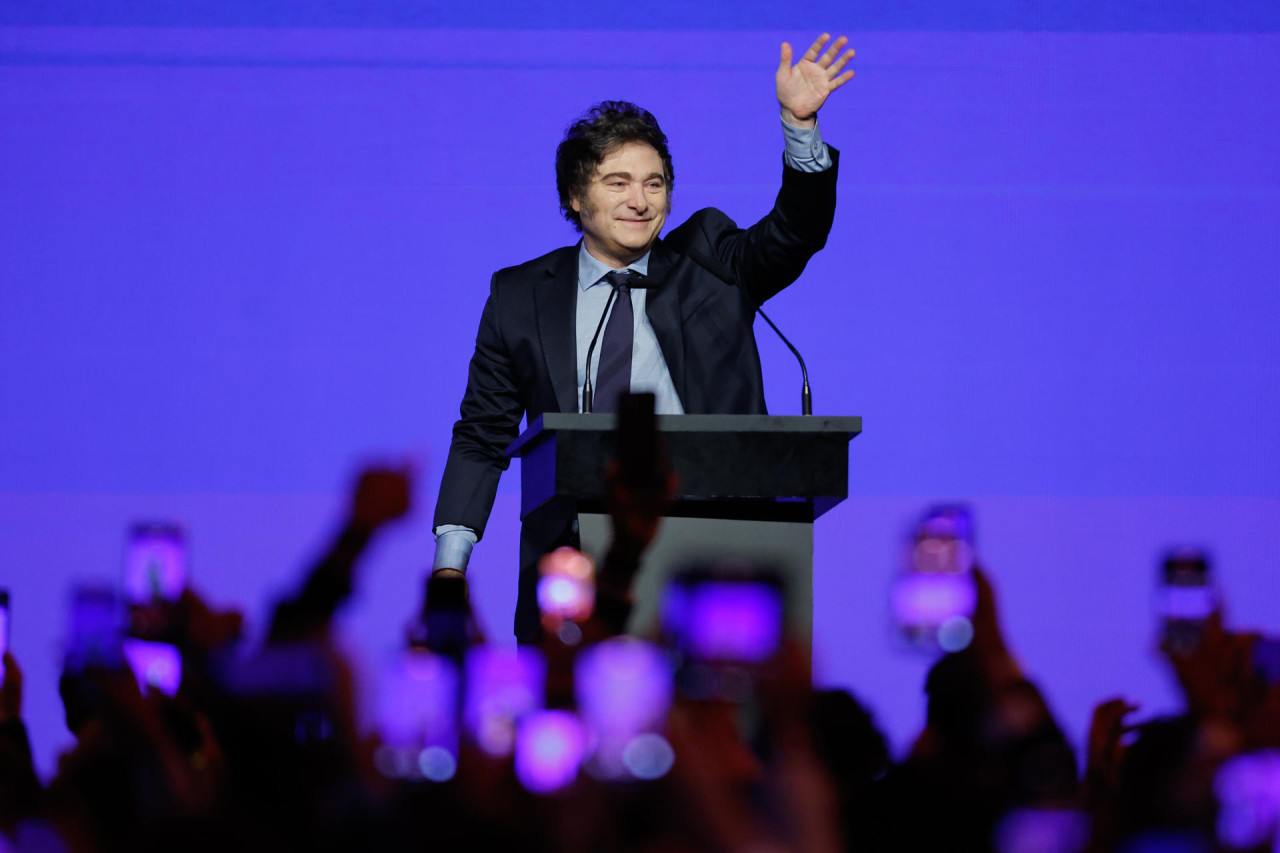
column 806, row 399
column 586, row 386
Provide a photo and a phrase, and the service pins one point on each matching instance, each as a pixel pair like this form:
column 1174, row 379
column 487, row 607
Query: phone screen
column 418, row 717
column 155, row 563
column 1185, row 598
column 624, row 688
column 154, row 665
column 97, row 629
column 549, row 750
column 502, row 686
column 725, row 627
column 566, row 586
column 933, row 598
column 4, row 629
column 730, row 621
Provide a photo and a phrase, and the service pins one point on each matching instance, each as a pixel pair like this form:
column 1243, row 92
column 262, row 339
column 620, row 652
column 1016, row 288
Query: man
column 682, row 329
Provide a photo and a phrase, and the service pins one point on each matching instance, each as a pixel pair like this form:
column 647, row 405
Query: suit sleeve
column 772, row 253
column 489, row 421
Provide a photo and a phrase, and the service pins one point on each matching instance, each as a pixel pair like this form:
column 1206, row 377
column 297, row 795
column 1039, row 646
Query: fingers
column 814, row 49
column 841, row 80
column 839, row 65
column 832, row 52
column 785, row 62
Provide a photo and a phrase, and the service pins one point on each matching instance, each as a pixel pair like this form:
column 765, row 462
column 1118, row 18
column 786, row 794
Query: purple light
column 549, row 750
column 623, row 685
column 418, row 708
column 503, row 684
column 157, row 665
column 1248, row 789
column 1185, row 602
column 734, row 621
column 932, row 599
column 1041, row 831
column 649, row 756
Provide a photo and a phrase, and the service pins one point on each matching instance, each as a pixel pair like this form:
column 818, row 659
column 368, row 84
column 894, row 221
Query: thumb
column 785, row 62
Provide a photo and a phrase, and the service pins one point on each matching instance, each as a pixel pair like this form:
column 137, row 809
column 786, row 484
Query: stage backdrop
column 244, row 249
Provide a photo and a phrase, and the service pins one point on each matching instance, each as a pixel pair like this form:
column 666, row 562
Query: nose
column 637, row 200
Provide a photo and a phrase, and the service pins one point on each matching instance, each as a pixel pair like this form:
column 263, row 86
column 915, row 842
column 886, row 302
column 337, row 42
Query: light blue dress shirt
column 805, row 152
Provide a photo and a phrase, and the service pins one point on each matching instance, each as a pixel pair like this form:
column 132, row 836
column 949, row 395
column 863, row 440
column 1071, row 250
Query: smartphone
column 639, row 452
column 566, row 587
column 286, row 693
column 1247, row 788
column 96, row 631
column 624, row 688
column 501, row 686
column 725, row 624
column 154, row 665
column 447, row 617
column 4, row 629
column 549, row 749
column 933, row 598
column 418, row 717
column 155, row 563
column 1185, row 598
column 1266, row 662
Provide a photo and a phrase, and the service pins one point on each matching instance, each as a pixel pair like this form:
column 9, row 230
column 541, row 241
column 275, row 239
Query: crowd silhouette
column 592, row 740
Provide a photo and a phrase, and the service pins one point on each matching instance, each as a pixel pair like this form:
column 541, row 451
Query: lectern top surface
column 794, row 424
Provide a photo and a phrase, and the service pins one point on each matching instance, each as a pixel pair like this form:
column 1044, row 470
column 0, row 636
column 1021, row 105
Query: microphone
column 586, row 386
column 635, row 281
column 806, row 399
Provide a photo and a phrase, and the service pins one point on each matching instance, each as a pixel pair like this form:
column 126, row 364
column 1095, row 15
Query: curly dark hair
column 594, row 136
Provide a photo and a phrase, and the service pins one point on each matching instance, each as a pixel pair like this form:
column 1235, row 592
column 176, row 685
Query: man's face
column 625, row 204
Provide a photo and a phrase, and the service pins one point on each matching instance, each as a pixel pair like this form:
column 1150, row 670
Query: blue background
column 244, row 247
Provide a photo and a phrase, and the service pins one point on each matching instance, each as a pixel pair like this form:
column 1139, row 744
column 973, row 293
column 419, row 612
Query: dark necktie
column 613, row 378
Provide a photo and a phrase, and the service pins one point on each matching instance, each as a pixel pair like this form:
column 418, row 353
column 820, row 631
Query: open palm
column 804, row 87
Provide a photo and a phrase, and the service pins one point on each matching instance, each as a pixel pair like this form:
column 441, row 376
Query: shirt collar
column 590, row 270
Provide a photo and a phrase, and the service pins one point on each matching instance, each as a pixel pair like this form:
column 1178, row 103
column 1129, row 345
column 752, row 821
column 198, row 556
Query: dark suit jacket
column 706, row 278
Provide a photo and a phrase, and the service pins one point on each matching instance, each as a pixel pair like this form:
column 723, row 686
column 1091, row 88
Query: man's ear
column 575, row 204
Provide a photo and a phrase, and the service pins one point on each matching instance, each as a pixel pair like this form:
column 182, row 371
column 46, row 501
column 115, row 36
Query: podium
column 749, row 487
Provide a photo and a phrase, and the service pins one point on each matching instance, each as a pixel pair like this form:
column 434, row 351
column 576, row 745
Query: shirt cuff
column 453, row 547
column 805, row 151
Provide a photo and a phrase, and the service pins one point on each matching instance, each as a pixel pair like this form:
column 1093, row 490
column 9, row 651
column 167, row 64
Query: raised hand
column 804, row 87
column 382, row 495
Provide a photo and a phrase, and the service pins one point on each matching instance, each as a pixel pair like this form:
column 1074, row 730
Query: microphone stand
column 586, row 386
column 806, row 399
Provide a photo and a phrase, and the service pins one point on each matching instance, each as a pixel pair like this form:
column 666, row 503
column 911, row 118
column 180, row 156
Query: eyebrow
column 627, row 176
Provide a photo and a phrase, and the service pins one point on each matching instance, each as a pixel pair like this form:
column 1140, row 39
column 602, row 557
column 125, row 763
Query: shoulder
column 536, row 269
column 702, row 228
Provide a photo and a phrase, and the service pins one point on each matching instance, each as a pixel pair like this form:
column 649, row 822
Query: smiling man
column 680, row 320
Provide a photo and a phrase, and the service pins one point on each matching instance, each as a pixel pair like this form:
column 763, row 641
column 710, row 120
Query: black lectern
column 750, row 486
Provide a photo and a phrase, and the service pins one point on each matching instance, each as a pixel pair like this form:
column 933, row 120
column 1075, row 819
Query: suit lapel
column 662, row 307
column 556, row 300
